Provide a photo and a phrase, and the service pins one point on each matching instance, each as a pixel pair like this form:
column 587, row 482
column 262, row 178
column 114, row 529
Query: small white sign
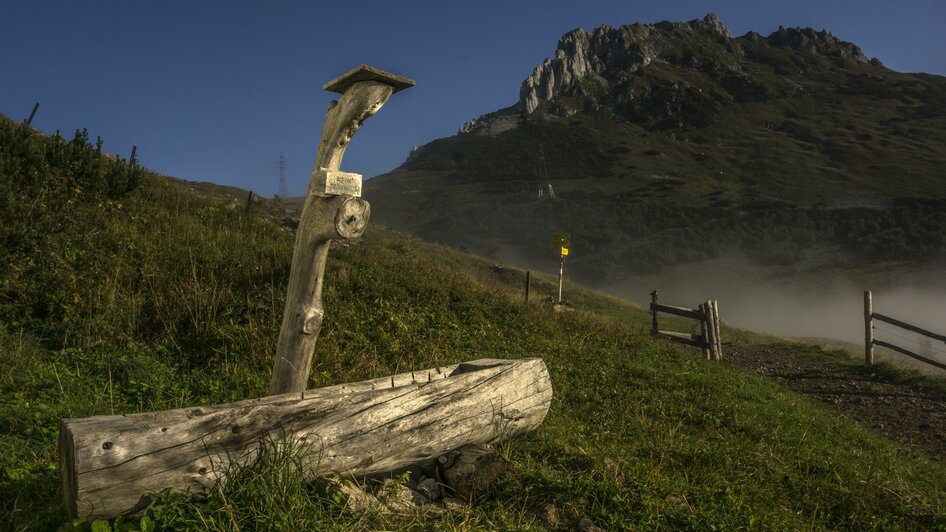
column 337, row 183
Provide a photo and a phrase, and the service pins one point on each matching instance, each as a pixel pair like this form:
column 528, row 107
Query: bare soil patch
column 914, row 416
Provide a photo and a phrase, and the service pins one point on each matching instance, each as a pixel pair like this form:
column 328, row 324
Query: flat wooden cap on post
column 333, row 209
column 367, row 73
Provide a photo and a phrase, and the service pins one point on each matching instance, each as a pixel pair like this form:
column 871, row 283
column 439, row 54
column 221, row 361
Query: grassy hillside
column 162, row 297
column 719, row 146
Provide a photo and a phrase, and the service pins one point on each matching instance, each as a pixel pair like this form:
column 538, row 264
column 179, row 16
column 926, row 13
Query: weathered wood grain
column 109, row 464
column 705, row 331
column 907, row 326
column 325, row 217
column 907, row 352
column 679, row 311
column 717, row 337
column 684, row 338
column 710, row 323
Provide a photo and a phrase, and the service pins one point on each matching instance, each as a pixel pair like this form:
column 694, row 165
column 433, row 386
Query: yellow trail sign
column 564, row 252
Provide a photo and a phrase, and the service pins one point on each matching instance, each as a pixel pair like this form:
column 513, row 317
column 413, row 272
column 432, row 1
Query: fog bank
column 809, row 305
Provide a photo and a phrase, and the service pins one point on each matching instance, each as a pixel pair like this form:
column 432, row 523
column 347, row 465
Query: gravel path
column 912, row 416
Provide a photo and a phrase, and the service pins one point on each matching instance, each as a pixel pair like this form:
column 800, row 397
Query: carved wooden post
column 333, row 209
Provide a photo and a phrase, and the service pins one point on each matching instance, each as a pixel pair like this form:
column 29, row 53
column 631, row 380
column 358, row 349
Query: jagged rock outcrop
column 821, row 42
column 493, row 123
column 589, row 63
column 604, row 69
column 598, row 67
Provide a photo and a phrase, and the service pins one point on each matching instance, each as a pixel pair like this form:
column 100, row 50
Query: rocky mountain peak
column 822, row 42
column 711, row 21
column 597, row 67
column 582, row 58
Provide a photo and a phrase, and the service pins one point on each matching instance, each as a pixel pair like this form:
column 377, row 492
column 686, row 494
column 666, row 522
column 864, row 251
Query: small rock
column 472, row 468
column 585, row 525
column 429, row 488
column 613, row 469
column 399, row 497
column 454, row 504
column 678, row 501
column 548, row 515
column 432, row 510
column 356, row 499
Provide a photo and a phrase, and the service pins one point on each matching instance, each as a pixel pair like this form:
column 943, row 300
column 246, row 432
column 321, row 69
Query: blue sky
column 214, row 91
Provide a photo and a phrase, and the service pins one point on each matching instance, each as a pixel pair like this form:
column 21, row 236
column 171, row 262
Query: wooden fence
column 870, row 341
column 707, row 314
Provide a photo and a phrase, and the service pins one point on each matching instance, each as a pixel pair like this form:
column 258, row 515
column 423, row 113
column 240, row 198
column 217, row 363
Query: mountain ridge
column 581, row 55
column 676, row 142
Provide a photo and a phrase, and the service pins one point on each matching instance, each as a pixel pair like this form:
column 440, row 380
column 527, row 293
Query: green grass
column 160, row 298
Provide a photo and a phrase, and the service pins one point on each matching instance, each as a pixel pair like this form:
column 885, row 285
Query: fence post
column 528, row 283
column 32, row 114
column 249, row 203
column 868, row 329
column 706, row 327
column 653, row 313
column 719, row 340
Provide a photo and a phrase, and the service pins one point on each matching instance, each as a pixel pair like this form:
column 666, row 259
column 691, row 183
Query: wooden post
column 706, row 326
column 868, row 329
column 332, row 209
column 32, row 114
column 654, row 327
column 528, row 284
column 711, row 339
column 719, row 340
column 561, row 277
column 246, row 211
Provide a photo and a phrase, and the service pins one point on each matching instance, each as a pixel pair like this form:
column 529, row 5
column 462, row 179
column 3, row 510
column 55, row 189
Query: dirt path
column 912, row 416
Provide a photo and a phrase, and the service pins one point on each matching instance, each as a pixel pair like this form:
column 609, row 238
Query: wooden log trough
column 110, row 464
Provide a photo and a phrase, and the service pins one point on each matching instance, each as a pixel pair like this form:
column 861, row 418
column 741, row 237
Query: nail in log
column 332, row 209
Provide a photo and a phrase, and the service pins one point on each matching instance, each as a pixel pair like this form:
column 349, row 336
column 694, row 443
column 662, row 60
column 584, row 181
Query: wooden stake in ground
column 332, row 209
column 716, row 334
column 868, row 329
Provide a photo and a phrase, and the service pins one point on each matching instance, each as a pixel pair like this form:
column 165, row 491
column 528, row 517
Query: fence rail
column 870, row 341
column 708, row 316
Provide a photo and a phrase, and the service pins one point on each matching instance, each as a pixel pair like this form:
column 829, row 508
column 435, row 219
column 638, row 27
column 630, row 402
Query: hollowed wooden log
column 110, row 464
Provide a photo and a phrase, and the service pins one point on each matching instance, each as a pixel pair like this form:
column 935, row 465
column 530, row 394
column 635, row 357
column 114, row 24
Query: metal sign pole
column 561, row 241
column 561, row 277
